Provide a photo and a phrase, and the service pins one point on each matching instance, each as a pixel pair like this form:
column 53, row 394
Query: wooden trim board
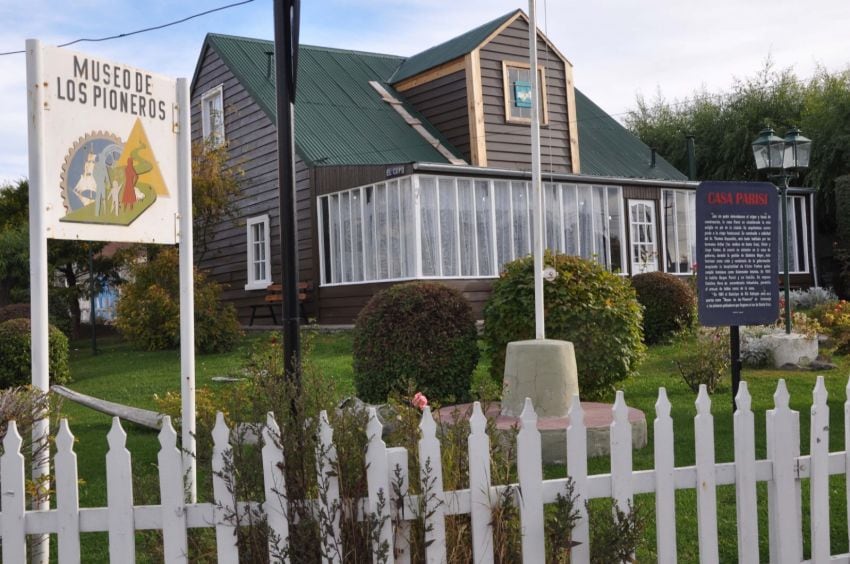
column 475, row 107
column 572, row 120
column 430, row 75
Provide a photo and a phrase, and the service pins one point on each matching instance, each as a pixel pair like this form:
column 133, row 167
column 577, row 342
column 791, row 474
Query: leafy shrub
column 812, row 297
column 755, row 351
column 14, row 311
column 710, row 362
column 594, row 309
column 15, row 359
column 420, row 334
column 614, row 534
column 835, row 319
column 669, row 305
column 149, row 308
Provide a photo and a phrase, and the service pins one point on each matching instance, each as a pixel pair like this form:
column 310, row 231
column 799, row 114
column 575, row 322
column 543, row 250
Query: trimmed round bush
column 15, row 359
column 585, row 304
column 14, row 311
column 669, row 305
column 149, row 308
column 420, row 334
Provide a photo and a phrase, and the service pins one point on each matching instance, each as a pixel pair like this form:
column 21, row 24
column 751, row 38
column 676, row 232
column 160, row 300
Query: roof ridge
column 307, row 46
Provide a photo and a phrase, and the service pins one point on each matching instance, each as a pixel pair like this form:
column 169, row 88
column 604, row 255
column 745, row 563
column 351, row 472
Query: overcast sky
column 619, row 48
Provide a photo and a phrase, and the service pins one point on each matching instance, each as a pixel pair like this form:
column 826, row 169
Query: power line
column 144, row 30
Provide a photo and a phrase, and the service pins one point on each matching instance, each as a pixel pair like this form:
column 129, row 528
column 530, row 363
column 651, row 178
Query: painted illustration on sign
column 110, row 181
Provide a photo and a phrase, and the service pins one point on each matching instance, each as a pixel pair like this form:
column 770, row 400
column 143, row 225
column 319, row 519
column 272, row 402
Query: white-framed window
column 517, row 89
column 212, row 115
column 259, row 251
column 428, row 226
column 679, row 226
column 798, row 236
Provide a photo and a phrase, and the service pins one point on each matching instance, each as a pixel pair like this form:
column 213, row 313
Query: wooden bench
column 273, row 299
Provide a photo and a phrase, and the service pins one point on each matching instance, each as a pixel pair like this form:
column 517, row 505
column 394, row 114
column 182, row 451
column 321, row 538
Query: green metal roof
column 450, row 50
column 606, row 148
column 339, row 118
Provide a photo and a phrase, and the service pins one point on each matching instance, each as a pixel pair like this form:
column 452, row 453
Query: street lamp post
column 783, row 159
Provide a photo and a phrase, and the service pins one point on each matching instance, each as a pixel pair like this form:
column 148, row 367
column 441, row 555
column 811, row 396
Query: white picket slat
column 665, row 487
column 431, row 480
column 67, row 496
column 745, row 477
column 119, row 496
column 847, row 450
column 330, row 503
column 274, row 487
column 819, row 481
column 399, row 487
column 622, row 489
column 785, row 535
column 224, row 498
column 172, row 496
column 530, row 474
column 14, row 542
column 377, row 470
column 577, row 471
column 706, row 479
column 478, row 447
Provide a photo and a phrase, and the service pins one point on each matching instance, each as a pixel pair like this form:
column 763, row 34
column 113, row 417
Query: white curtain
column 408, row 228
column 466, row 215
column 369, row 255
column 504, row 236
column 448, row 227
column 429, row 225
column 356, row 235
column 484, row 220
column 521, row 223
column 395, row 248
column 585, row 222
column 382, row 228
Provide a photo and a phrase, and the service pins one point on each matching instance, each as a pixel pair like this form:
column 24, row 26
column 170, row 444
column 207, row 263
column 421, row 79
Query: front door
column 644, row 255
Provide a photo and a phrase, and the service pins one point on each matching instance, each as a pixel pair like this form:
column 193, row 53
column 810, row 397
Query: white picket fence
column 782, row 470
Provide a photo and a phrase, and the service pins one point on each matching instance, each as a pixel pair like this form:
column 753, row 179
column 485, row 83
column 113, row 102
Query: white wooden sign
column 109, row 148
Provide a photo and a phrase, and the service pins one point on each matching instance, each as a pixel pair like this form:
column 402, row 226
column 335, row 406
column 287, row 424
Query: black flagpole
column 286, row 23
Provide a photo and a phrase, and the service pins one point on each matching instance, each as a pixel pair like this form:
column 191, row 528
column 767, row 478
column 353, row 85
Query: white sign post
column 109, row 160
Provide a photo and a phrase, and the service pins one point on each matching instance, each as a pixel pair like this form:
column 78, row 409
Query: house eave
column 555, row 176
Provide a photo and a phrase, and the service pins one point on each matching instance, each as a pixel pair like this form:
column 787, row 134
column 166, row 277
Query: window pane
column 466, row 200
column 570, row 208
column 483, row 209
column 615, row 204
column 381, row 227
column 585, row 222
column 519, row 194
column 600, row 225
column 369, row 229
column 326, row 239
column 430, row 228
column 345, row 222
column 448, row 227
column 357, row 236
column 502, row 201
column 683, row 259
column 395, row 248
column 408, row 225
column 553, row 217
column 336, row 249
column 668, row 203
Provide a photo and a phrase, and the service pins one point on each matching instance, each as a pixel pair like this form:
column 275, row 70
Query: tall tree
column 725, row 124
column 216, row 181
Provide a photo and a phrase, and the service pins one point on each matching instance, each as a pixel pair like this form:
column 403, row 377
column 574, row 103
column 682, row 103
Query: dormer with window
column 476, row 89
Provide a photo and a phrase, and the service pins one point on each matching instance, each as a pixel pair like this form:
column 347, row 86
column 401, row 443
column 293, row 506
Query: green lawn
column 120, row 373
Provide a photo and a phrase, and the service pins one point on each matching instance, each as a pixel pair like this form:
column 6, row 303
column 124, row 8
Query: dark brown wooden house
column 419, row 168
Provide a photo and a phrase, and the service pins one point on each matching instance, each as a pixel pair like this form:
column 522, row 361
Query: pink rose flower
column 419, row 401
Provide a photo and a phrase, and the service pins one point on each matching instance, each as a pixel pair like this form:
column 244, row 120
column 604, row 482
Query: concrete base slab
column 553, row 430
column 543, row 370
column 792, row 349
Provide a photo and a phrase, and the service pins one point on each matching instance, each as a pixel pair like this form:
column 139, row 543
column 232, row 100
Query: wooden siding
column 443, row 102
column 341, row 304
column 509, row 144
column 252, row 138
column 330, row 179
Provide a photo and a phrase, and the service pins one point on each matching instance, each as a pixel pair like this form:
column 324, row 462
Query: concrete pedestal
column 543, row 370
column 792, row 349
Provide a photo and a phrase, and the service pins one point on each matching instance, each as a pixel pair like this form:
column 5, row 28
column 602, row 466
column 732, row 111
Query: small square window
column 212, row 115
column 517, row 79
